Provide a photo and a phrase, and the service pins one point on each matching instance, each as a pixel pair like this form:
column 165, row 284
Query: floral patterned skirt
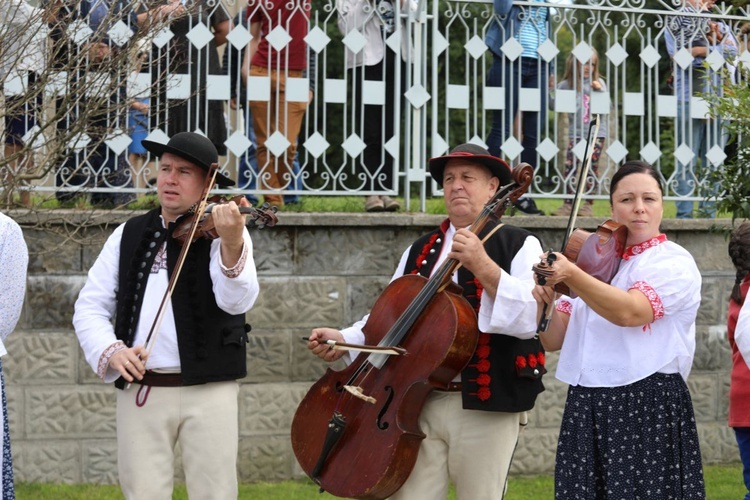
column 632, row 442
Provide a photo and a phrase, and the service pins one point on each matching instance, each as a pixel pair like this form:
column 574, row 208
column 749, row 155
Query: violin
column 265, row 216
column 598, row 254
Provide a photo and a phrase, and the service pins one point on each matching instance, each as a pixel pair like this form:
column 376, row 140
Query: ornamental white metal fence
column 378, row 88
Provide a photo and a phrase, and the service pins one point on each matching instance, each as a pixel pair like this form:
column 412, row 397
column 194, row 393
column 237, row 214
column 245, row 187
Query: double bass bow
column 356, row 432
column 598, row 253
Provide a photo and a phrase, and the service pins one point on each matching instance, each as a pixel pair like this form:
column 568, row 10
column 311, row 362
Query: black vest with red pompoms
column 505, row 373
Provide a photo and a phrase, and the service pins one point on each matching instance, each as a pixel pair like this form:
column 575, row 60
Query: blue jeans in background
column 743, row 442
column 687, row 176
column 524, row 72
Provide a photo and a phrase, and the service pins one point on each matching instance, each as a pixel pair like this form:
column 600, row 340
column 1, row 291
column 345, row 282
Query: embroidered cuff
column 564, row 306
column 656, row 304
column 110, row 351
column 236, row 270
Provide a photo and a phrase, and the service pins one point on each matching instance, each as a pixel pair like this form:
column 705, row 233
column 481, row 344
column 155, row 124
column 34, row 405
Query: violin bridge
column 357, row 392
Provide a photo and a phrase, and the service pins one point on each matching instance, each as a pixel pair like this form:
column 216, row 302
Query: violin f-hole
column 383, row 425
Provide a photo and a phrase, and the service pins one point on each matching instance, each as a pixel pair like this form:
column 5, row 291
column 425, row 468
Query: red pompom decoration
column 532, row 360
column 484, row 393
column 483, row 351
column 520, row 362
column 483, row 366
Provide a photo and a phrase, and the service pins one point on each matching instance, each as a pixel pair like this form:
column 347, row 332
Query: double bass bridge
column 357, row 392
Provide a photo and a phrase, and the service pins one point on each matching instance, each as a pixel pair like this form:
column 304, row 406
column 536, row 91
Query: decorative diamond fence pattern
column 377, row 88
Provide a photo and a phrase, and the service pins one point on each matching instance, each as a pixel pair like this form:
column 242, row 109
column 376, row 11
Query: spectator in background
column 276, row 112
column 584, row 80
column 731, row 140
column 138, row 115
column 22, row 60
column 530, row 27
column 196, row 112
column 376, row 62
column 14, row 259
column 91, row 108
column 738, row 333
column 248, row 168
column 700, row 36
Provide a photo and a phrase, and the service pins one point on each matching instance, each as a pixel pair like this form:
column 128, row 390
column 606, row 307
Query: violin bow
column 344, row 346
column 199, row 211
column 583, row 173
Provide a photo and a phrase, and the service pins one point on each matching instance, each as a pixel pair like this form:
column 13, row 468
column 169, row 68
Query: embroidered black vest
column 500, row 375
column 211, row 342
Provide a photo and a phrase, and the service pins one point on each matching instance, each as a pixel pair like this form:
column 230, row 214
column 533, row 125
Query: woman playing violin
column 626, row 349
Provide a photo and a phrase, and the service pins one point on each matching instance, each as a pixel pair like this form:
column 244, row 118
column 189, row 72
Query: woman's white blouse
column 597, row 353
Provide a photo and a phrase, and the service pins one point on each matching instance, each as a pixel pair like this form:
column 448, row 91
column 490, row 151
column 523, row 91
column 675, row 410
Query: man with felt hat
column 472, row 424
column 175, row 358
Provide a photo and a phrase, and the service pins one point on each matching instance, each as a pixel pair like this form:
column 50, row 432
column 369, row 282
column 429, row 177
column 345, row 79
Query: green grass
column 347, row 204
column 723, row 482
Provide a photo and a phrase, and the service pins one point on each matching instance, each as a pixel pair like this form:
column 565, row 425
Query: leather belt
column 156, row 379
column 452, row 387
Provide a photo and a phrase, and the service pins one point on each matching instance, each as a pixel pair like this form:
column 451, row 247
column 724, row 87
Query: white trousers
column 471, row 448
column 202, row 419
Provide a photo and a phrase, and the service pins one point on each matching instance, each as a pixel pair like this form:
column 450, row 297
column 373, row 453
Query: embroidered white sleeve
column 110, row 351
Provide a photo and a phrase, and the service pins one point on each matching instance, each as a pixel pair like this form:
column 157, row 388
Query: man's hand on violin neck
column 229, row 223
column 230, row 226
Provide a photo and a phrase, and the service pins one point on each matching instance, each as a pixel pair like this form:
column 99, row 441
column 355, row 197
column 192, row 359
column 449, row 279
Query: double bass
column 356, row 432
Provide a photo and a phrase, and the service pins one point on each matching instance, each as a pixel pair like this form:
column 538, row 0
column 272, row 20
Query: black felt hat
column 195, row 148
column 472, row 153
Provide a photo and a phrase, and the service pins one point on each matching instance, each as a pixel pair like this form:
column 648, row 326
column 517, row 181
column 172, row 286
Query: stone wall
column 315, row 270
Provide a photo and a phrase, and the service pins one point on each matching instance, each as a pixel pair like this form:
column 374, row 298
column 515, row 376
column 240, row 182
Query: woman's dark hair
column 739, row 252
column 633, row 167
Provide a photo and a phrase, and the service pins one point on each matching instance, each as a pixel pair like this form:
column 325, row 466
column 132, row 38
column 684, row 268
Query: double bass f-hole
column 381, row 423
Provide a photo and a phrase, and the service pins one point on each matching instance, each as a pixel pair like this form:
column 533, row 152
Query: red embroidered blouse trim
column 653, row 298
column 564, row 307
column 638, row 249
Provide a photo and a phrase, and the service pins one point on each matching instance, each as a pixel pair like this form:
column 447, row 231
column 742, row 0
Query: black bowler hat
column 474, row 154
column 195, row 148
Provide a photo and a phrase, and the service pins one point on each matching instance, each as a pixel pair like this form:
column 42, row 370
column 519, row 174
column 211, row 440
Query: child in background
column 138, row 94
column 584, row 79
column 739, row 386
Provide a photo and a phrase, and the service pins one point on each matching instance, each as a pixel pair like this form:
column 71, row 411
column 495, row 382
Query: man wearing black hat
column 472, row 428
column 181, row 386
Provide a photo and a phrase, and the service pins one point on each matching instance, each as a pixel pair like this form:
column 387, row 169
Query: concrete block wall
column 315, row 270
